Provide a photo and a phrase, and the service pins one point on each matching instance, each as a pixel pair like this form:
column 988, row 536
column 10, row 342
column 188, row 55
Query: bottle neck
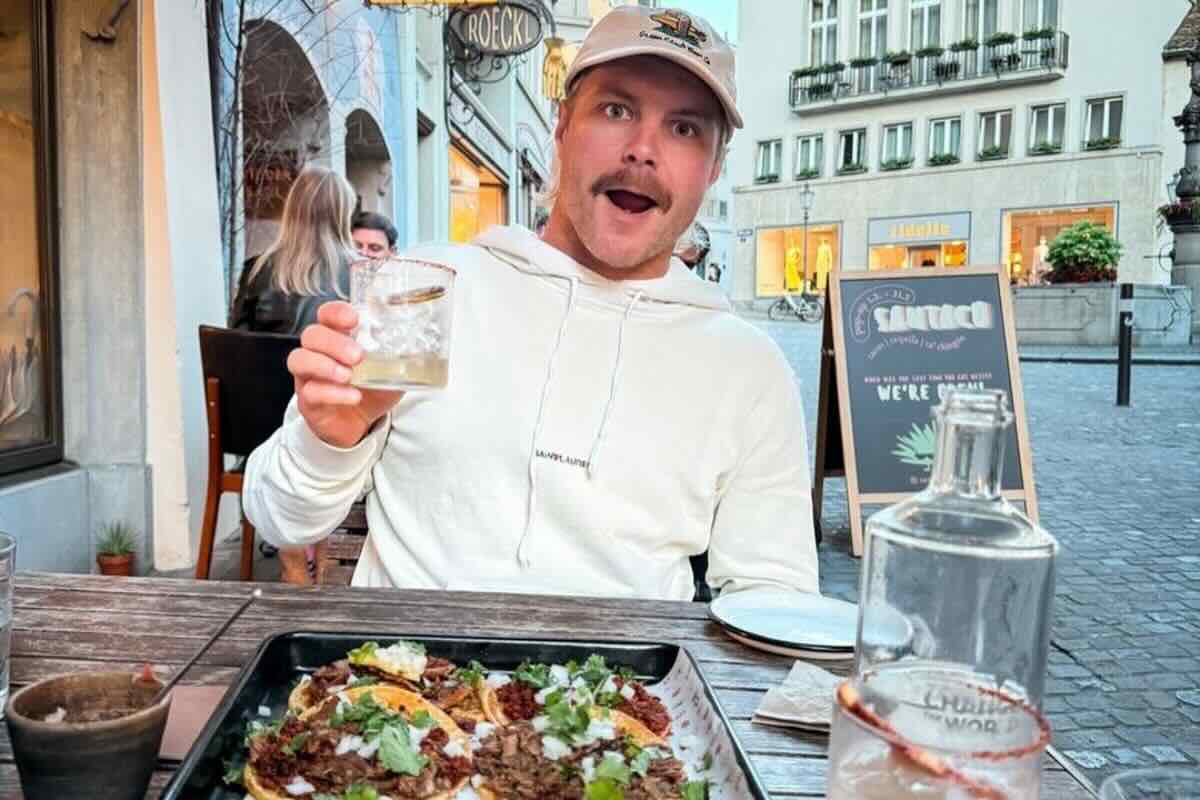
column 969, row 459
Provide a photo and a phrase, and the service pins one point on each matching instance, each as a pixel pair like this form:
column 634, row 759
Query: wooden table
column 67, row 623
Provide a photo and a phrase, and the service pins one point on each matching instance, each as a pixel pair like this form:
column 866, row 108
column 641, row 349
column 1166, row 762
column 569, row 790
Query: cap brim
column 683, row 59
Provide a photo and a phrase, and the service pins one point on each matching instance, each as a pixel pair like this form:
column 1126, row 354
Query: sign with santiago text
column 900, row 341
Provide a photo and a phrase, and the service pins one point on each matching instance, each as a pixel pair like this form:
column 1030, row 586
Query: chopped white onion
column 539, row 723
column 341, row 687
column 627, row 691
column 466, row 793
column 600, row 729
column 264, row 711
column 540, row 697
column 588, row 765
column 369, row 749
column 497, row 680
column 483, row 730
column 613, row 755
column 554, row 748
column 477, row 780
column 349, row 743
column 609, row 685
column 559, row 675
column 454, row 749
column 299, row 786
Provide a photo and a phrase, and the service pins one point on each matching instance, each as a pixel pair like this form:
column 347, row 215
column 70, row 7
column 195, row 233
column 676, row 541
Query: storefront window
column 1028, row 235
column 782, row 263
column 478, row 198
column 939, row 240
column 30, row 431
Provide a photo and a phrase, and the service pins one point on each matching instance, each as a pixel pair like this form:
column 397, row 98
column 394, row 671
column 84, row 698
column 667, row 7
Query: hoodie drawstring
column 594, row 456
column 572, row 293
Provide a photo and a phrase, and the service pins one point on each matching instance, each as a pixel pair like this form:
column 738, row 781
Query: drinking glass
column 933, row 732
column 1165, row 783
column 405, row 312
column 8, row 565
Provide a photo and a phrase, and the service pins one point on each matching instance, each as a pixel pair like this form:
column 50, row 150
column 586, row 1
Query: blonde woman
column 306, row 266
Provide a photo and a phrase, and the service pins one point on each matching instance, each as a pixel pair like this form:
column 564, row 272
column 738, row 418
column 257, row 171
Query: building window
column 945, row 136
column 1028, row 234
column 980, row 20
column 852, row 149
column 1046, row 128
column 872, row 28
column 769, row 155
column 723, row 209
column 1103, row 123
column 897, row 146
column 995, row 134
column 810, row 155
column 926, row 30
column 824, row 32
column 30, row 399
column 795, row 258
column 1041, row 14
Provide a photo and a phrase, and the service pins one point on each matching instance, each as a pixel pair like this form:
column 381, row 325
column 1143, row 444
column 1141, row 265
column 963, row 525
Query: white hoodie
column 594, row 435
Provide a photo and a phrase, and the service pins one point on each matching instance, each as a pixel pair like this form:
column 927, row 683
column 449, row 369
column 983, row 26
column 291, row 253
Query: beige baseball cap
column 675, row 35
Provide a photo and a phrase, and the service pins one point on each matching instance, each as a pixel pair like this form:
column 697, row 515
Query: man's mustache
column 643, row 183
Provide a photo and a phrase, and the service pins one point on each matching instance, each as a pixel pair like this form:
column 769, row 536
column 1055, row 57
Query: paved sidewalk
column 1120, row 489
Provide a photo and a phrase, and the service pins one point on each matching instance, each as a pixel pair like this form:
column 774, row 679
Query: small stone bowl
column 105, row 749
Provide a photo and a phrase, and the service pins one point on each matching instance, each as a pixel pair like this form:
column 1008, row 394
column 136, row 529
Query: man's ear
column 718, row 164
column 564, row 117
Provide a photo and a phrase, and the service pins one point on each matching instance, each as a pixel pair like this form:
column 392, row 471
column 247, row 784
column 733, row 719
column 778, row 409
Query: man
column 373, row 234
column 568, row 453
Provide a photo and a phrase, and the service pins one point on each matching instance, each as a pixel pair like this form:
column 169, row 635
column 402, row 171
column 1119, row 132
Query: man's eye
column 686, row 129
column 615, row 111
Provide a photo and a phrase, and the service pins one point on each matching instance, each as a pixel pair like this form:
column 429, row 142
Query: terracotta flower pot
column 115, row 565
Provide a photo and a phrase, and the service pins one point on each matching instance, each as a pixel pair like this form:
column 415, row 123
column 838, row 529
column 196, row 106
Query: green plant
column 964, row 46
column 1084, row 253
column 993, row 152
column 1038, row 33
column 931, row 52
column 917, row 446
column 829, row 69
column 852, row 169
column 1105, row 143
column 897, row 59
column 998, row 39
column 893, row 164
column 1045, row 149
column 805, row 72
column 806, row 174
column 869, row 61
column 943, row 159
column 116, row 539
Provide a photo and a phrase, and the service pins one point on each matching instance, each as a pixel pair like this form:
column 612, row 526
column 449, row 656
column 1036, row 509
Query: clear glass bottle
column 956, row 575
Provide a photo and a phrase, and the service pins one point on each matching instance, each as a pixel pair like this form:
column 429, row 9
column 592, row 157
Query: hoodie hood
column 680, row 286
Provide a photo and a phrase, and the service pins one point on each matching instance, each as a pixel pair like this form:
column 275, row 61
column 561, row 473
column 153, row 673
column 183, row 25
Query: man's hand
column 338, row 413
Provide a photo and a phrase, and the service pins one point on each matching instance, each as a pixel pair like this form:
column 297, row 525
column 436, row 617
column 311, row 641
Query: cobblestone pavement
column 1120, row 489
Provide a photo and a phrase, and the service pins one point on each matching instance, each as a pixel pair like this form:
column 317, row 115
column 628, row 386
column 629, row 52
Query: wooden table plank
column 72, row 623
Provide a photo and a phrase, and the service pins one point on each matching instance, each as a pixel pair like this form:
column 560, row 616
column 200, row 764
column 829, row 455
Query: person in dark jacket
column 281, row 290
column 307, row 264
column 374, row 235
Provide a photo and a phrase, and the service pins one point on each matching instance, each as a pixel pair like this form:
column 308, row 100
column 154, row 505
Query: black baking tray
column 266, row 681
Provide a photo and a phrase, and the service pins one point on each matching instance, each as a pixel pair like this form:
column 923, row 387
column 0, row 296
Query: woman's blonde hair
column 314, row 242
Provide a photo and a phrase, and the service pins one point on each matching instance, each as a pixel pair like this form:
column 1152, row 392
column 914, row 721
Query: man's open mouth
column 630, row 202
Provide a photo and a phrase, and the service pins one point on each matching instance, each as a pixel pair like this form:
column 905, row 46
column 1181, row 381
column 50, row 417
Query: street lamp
column 1173, row 188
column 807, row 198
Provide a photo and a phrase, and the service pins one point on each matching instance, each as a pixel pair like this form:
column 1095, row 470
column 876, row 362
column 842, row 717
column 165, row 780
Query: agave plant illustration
column 916, row 446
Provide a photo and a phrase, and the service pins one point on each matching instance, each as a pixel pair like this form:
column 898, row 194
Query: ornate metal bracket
column 107, row 30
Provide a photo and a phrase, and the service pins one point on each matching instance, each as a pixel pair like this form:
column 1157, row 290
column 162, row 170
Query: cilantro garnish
column 594, row 671
column 296, row 744
column 566, row 720
column 695, row 790
column 626, row 674
column 365, row 712
column 396, row 751
column 235, row 768
column 421, row 720
column 325, row 796
column 362, row 680
column 471, row 674
column 613, row 770
column 363, row 652
column 604, row 789
column 640, row 762
column 256, row 728
column 361, row 791
column 535, row 675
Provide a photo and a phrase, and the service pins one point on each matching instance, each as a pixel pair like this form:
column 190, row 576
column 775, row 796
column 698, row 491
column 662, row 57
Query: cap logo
column 681, row 26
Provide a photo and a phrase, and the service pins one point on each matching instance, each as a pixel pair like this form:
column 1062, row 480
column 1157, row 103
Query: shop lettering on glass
column 918, row 231
column 499, row 30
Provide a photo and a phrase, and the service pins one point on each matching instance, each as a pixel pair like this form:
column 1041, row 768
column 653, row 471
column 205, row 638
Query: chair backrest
column 255, row 385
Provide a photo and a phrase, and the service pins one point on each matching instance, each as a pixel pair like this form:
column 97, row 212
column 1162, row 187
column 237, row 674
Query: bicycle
column 805, row 306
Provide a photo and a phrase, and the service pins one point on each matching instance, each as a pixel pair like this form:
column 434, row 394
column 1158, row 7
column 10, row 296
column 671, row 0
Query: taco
column 372, row 741
column 521, row 696
column 455, row 690
column 576, row 750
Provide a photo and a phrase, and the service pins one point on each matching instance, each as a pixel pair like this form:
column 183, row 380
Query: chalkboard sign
column 897, row 341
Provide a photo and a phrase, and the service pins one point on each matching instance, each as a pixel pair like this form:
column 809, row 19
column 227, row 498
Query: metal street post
column 807, row 196
column 1125, row 341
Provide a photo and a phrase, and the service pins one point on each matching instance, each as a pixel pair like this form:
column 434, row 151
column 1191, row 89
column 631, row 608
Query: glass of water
column 932, row 732
column 405, row 314
column 8, row 565
column 1164, row 783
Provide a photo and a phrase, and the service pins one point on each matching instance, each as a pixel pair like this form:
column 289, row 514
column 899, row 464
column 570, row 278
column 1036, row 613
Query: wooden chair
column 247, row 387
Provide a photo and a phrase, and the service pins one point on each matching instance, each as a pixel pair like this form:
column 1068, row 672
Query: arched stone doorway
column 285, row 125
column 368, row 163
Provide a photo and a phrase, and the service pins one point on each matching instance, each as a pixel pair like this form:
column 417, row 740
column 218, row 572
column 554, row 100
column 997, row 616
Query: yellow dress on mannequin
column 824, row 264
column 791, row 272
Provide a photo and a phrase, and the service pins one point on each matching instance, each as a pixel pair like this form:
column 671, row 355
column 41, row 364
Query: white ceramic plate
column 789, row 621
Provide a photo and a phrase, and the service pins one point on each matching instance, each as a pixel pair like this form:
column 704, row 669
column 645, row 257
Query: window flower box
column 895, row 164
column 993, row 154
column 1107, row 143
column 852, row 169
column 943, row 160
column 1045, row 149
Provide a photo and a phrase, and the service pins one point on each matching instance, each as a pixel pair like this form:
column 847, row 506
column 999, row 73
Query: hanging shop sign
column 502, row 30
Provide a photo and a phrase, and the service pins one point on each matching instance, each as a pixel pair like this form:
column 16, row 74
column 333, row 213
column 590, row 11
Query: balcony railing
column 1035, row 52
